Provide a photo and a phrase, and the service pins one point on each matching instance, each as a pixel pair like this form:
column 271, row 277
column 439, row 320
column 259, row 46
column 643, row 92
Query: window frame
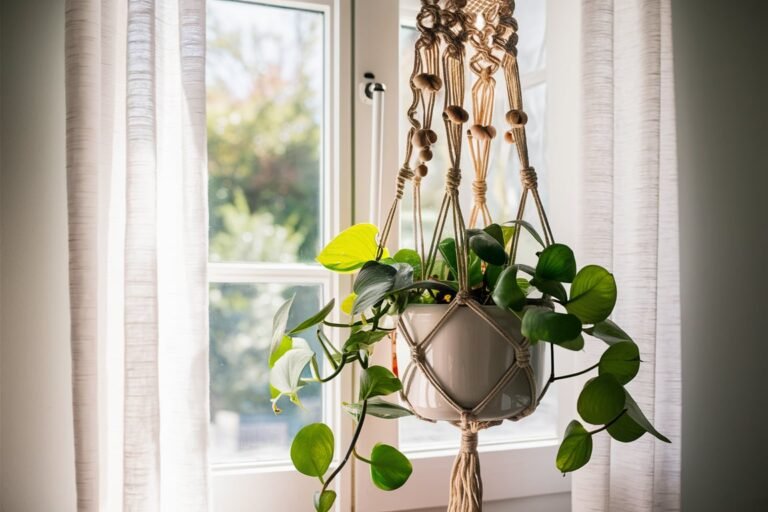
column 237, row 486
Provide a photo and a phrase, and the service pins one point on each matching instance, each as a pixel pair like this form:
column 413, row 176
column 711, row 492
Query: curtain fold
column 631, row 226
column 136, row 178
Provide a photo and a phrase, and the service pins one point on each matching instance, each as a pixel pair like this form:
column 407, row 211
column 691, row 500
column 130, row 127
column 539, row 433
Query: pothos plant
column 556, row 304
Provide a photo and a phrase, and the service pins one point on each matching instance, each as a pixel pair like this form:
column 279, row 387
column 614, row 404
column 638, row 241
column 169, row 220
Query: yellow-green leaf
column 348, row 302
column 351, row 249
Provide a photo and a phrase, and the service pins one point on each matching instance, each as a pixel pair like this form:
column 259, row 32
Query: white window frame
column 526, row 468
column 242, row 486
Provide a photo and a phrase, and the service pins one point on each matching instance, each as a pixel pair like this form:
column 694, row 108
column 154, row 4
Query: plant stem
column 351, row 448
column 614, row 420
column 360, row 457
column 316, row 371
column 342, row 326
column 320, row 336
column 576, row 374
column 551, row 378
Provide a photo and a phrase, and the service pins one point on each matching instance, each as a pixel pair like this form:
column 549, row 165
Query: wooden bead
column 420, row 138
column 460, row 4
column 517, row 118
column 482, row 132
column 509, row 137
column 422, row 170
column 456, row 114
column 425, row 155
column 431, row 136
column 427, row 82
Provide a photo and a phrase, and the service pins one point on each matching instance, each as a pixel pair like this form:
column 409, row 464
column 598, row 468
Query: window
column 274, row 164
column 267, row 211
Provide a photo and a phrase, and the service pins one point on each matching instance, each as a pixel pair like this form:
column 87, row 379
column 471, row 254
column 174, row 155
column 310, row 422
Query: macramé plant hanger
column 475, row 330
column 481, row 36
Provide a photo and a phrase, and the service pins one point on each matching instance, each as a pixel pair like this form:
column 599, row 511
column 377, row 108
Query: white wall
column 36, row 450
column 721, row 66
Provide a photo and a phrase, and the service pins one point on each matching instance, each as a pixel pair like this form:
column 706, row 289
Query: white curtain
column 136, row 176
column 630, row 224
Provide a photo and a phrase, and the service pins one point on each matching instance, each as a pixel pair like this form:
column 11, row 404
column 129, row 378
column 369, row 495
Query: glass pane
column 531, row 48
column 265, row 69
column 243, row 426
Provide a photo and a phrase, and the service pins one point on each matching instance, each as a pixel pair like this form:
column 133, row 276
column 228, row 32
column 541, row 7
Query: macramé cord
column 445, row 28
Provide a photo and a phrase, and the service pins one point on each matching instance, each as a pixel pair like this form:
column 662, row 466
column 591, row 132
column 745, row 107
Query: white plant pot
column 468, row 357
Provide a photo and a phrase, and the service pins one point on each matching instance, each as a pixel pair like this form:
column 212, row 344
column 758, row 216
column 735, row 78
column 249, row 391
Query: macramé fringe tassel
column 466, row 484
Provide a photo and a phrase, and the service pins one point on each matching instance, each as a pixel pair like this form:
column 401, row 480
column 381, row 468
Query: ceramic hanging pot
column 468, row 357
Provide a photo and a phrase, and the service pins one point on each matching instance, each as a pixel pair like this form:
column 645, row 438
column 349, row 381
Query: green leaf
column 488, row 248
column 529, row 227
column 360, row 340
column 285, row 376
column 372, row 284
column 593, row 294
column 447, row 248
column 279, row 321
column 475, row 270
column 576, row 448
column 351, row 249
column 403, row 276
column 634, row 412
column 312, row 449
column 608, row 331
column 324, row 501
column 379, row 408
column 601, row 400
column 492, row 273
column 576, row 343
column 378, row 381
column 552, row 288
column 544, row 324
column 556, row 263
column 390, row 469
column 507, row 293
column 622, row 360
column 625, row 429
column 284, row 346
column 496, row 232
column 507, row 232
column 314, row 319
column 410, row 257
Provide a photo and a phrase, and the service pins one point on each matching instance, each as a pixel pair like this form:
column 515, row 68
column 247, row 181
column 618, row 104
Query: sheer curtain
column 631, row 226
column 136, row 177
